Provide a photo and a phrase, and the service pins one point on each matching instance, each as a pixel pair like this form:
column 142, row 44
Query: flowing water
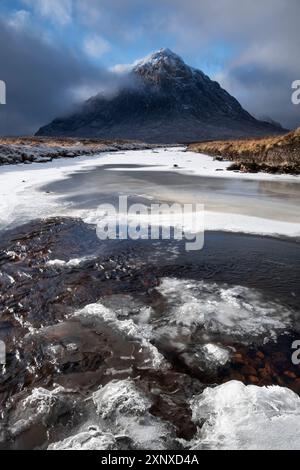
column 110, row 344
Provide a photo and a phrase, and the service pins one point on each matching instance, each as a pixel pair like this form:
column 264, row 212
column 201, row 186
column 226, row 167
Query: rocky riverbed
column 106, row 350
column 42, row 150
column 123, row 344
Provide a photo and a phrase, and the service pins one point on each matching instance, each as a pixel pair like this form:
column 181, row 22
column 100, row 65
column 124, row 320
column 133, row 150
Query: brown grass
column 58, row 141
column 272, row 154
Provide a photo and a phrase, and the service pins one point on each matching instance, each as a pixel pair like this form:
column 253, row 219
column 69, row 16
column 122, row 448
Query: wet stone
column 78, row 315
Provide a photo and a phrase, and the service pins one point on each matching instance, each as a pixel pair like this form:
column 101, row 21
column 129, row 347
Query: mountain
column 162, row 100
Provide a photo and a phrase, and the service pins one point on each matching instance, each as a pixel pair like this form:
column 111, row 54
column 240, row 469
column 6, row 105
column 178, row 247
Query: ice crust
column 128, row 328
column 243, row 417
column 122, row 418
column 238, row 312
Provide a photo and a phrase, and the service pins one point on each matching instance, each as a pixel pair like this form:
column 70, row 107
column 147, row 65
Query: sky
column 56, row 53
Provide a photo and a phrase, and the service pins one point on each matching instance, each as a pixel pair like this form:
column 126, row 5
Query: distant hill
column 167, row 101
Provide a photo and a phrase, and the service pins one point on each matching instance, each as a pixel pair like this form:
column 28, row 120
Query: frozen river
column 120, row 344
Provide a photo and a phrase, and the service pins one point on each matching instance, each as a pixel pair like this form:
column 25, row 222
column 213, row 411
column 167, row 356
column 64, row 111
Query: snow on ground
column 221, row 221
column 188, row 163
column 21, row 201
column 239, row 417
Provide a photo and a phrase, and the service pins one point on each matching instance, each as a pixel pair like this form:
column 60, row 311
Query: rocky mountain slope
column 163, row 100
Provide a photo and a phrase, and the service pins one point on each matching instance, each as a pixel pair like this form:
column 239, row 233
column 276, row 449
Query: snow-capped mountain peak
column 164, row 55
column 162, row 65
column 165, row 101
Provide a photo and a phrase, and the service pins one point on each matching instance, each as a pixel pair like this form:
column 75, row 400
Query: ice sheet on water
column 127, row 409
column 140, row 333
column 91, row 439
column 243, row 417
column 72, row 263
column 120, row 398
column 127, row 306
column 121, row 420
column 40, row 407
column 240, row 313
column 42, row 400
column 215, row 355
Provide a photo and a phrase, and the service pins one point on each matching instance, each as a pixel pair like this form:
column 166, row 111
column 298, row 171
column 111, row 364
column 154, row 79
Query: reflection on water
column 277, row 200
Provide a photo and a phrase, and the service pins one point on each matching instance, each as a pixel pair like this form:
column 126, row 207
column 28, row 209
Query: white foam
column 243, row 417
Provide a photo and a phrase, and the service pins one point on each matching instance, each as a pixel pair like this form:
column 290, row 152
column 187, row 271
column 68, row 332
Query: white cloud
column 59, row 11
column 19, row 19
column 95, row 46
column 122, row 68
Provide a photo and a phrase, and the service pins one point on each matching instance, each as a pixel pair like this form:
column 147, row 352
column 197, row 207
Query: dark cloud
column 254, row 45
column 43, row 80
column 264, row 91
column 260, row 42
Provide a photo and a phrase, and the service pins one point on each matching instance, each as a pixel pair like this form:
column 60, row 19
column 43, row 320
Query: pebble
column 237, row 376
column 238, row 359
column 260, row 355
column 249, row 370
column 290, row 375
column 253, row 379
